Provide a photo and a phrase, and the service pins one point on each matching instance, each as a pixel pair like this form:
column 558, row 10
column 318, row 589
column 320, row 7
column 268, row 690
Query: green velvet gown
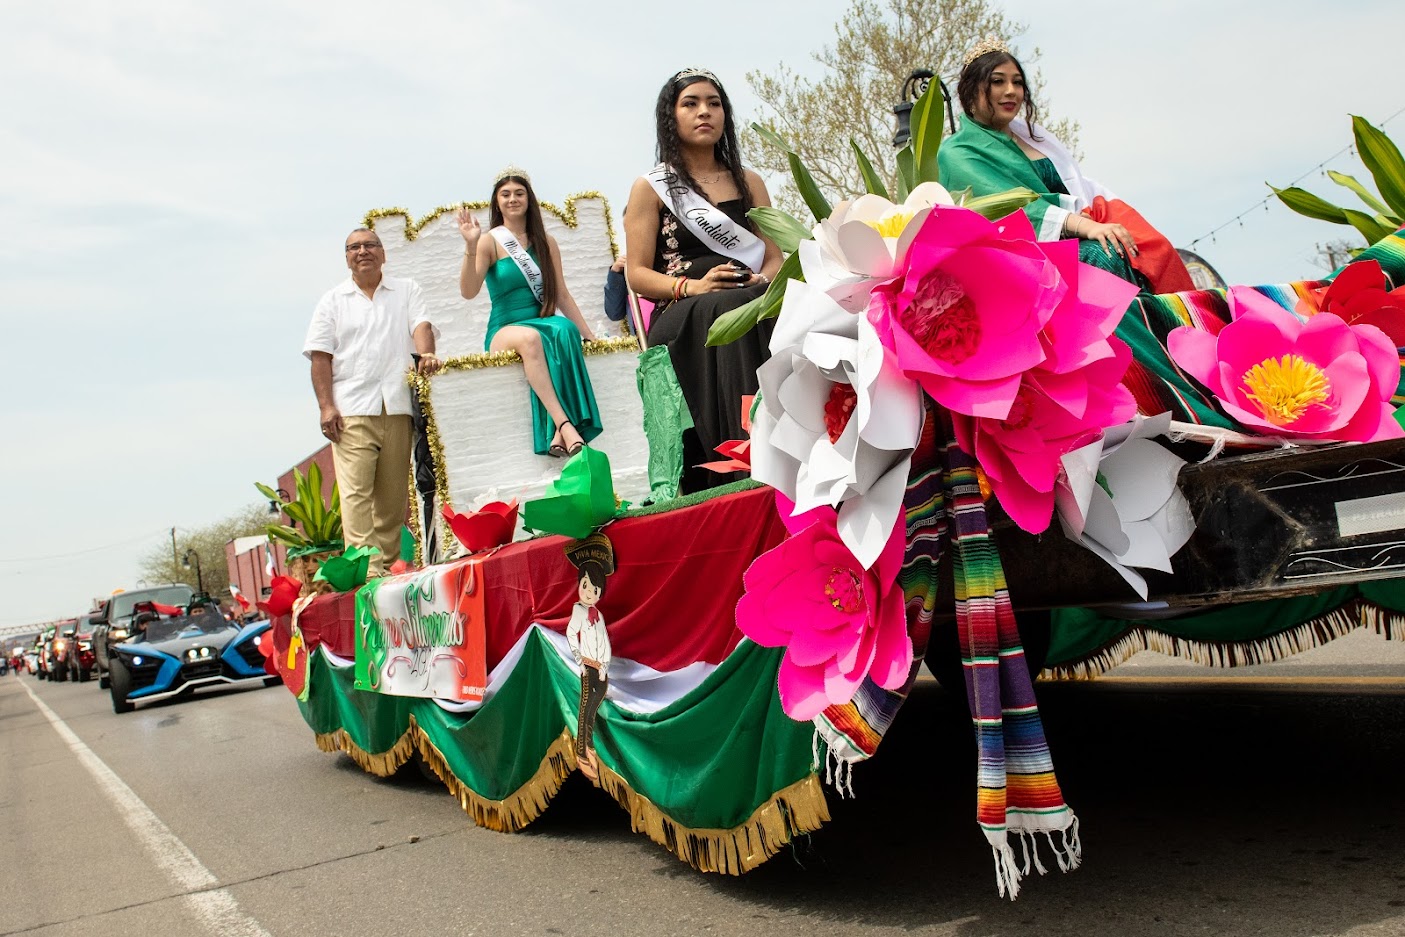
column 515, row 304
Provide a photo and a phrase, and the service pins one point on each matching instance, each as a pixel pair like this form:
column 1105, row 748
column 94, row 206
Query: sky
column 176, row 179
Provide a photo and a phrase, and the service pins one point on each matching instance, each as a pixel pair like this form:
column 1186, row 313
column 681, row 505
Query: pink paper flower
column 490, row 526
column 837, row 621
column 1022, row 454
column 1324, row 379
column 1359, row 297
column 964, row 312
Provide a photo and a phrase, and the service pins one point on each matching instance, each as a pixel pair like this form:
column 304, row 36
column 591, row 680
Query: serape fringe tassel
column 1017, row 792
column 1314, row 632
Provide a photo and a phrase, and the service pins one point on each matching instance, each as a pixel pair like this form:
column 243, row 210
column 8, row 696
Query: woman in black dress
column 692, row 249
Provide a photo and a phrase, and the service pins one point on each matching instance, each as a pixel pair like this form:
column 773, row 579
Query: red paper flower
column 1358, row 296
column 737, row 451
column 490, row 526
column 285, row 592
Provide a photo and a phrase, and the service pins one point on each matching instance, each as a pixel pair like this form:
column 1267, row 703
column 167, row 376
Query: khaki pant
column 372, row 460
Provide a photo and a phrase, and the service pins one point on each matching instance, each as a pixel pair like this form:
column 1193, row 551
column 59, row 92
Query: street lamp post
column 199, row 578
column 276, row 507
column 915, row 86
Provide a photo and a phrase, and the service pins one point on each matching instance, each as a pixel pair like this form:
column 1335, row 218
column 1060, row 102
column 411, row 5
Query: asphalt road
column 1267, row 805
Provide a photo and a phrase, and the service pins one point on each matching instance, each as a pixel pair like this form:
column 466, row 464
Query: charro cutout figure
column 594, row 559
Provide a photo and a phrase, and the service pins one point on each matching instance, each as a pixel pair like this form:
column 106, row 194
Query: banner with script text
column 422, row 634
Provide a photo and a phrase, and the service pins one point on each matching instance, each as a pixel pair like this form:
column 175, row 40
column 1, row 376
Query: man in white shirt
column 360, row 342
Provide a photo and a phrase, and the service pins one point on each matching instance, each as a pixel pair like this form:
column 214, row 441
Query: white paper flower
column 838, row 420
column 1118, row 497
column 863, row 240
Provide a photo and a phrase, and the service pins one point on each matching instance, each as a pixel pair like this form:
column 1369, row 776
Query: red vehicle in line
column 81, row 659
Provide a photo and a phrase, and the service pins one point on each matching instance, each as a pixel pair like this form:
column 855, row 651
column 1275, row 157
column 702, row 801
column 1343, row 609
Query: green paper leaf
column 999, row 204
column 784, row 230
column 1305, row 203
column 1365, row 194
column 927, row 120
column 907, row 172
column 731, row 326
column 1382, row 158
column 871, row 180
column 579, row 501
column 347, row 571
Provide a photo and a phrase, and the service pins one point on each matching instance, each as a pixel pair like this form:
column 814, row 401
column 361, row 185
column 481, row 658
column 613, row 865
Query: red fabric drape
column 670, row 602
column 1156, row 259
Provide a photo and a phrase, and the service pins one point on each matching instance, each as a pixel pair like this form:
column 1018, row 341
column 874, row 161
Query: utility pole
column 175, row 561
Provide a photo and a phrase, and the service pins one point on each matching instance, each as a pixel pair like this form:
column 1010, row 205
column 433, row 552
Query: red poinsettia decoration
column 490, row 526
column 280, row 601
column 1358, row 296
column 737, row 451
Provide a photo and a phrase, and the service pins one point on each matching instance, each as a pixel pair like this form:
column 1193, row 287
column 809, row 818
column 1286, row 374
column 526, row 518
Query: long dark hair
column 669, row 147
column 975, row 83
column 536, row 238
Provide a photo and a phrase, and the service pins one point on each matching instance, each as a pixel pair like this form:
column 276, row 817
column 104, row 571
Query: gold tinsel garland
column 567, row 215
column 420, row 384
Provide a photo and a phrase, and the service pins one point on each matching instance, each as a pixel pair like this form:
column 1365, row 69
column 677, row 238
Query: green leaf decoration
column 871, row 180
column 268, row 492
column 1370, row 229
column 999, row 204
column 804, row 182
column 771, row 137
column 1365, row 194
column 780, row 227
column 809, row 191
column 286, row 534
column 907, row 172
column 1382, row 158
column 927, row 120
column 730, row 326
column 1305, row 203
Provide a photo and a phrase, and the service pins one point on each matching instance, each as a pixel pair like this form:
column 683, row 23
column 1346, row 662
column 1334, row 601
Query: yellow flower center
column 891, row 225
column 1285, row 388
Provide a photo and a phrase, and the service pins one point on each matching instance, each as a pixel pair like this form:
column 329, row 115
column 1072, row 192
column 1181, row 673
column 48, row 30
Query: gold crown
column 512, row 170
column 697, row 73
column 991, row 43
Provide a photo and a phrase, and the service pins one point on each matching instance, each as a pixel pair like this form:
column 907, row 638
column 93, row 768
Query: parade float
column 959, row 425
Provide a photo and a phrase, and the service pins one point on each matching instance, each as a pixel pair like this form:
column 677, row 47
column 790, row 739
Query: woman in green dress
column 521, row 265
column 1001, row 146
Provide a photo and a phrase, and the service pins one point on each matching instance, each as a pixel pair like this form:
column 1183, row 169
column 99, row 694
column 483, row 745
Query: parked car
column 81, row 658
column 112, row 621
column 60, row 649
column 174, row 655
column 41, row 653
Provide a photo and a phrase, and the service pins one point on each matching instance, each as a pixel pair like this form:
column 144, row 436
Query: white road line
column 215, row 908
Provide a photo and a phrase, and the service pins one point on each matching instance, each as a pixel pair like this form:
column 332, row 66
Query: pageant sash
column 706, row 221
column 524, row 260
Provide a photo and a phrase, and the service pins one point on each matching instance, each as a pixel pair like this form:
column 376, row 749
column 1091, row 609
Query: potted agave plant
column 317, row 532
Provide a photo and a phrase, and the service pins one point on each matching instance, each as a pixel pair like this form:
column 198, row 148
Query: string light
column 1267, row 200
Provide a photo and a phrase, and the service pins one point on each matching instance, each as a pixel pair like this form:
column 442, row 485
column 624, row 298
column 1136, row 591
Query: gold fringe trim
column 1304, row 637
column 793, row 811
column 796, row 810
column 515, row 812
column 567, row 214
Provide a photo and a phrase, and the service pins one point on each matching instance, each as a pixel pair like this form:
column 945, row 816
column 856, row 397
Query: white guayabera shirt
column 370, row 341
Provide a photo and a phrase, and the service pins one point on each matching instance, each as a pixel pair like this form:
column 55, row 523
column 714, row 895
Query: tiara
column 697, row 73
column 511, row 170
column 991, row 43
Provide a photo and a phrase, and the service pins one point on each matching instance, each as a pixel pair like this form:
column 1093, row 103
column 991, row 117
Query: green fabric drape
column 707, row 761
